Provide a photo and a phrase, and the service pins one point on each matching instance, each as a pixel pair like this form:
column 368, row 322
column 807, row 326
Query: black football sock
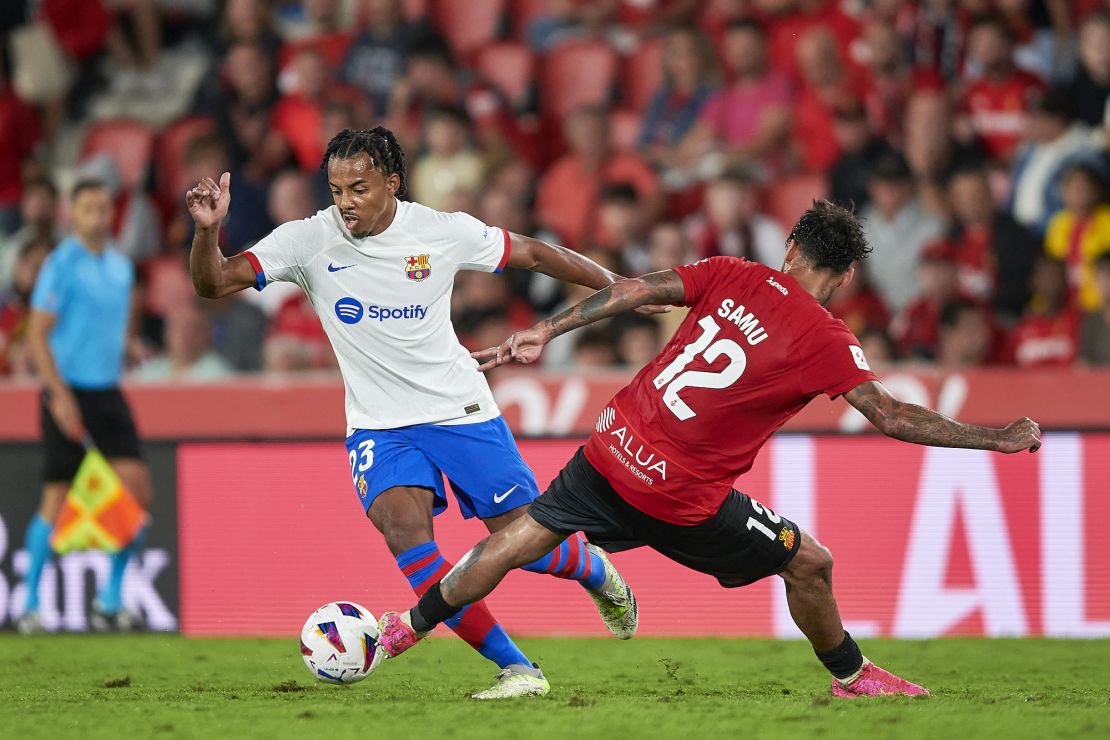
column 844, row 659
column 432, row 610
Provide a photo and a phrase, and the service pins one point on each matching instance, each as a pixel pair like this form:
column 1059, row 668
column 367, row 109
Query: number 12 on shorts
column 772, row 517
column 674, row 379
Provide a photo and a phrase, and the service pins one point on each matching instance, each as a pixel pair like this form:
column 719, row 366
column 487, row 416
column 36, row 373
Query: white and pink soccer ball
column 339, row 642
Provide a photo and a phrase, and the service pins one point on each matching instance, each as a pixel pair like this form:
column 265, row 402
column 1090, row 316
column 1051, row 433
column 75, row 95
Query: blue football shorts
column 481, row 461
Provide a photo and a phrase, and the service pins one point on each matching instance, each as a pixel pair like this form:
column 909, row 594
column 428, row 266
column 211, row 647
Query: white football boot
column 515, row 681
column 615, row 601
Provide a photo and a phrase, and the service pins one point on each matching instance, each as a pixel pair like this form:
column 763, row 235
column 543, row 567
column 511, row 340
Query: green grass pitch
column 154, row 686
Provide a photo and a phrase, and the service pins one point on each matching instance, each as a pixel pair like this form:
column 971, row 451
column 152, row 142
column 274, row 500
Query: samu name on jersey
column 754, row 350
column 384, row 302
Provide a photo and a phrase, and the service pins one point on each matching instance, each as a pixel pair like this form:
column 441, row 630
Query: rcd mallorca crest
column 418, row 267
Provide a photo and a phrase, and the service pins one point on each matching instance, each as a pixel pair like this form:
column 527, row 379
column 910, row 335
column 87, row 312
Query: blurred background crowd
column 972, row 137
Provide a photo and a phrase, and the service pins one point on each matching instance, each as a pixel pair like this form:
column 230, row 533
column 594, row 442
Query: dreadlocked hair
column 379, row 142
column 830, row 237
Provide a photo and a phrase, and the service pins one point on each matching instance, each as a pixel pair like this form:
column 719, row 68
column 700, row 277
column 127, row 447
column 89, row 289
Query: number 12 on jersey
column 675, row 377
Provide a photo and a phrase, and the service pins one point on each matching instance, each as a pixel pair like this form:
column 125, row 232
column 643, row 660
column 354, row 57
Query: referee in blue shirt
column 77, row 335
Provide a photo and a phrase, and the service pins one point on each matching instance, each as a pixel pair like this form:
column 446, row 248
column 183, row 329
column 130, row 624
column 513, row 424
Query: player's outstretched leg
column 575, row 559
column 403, row 514
column 809, row 594
column 472, row 579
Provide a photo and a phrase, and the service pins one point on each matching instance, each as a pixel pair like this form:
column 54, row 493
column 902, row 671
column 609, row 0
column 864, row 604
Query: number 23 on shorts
column 362, row 457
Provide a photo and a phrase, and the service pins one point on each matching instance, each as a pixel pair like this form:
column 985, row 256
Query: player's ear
column 792, row 251
column 393, row 183
column 847, row 277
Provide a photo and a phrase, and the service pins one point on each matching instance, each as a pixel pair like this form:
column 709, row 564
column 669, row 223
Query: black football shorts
column 107, row 420
column 741, row 544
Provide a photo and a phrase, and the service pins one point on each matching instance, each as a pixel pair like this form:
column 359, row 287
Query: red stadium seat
column 468, row 25
column 624, row 129
column 129, row 143
column 509, row 67
column 169, row 152
column 577, row 73
column 643, row 74
column 789, row 197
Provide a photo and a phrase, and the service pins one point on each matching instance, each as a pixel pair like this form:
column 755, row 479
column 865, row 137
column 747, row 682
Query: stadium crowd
column 972, row 136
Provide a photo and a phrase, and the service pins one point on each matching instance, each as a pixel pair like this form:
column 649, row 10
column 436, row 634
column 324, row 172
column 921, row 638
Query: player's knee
column 812, row 564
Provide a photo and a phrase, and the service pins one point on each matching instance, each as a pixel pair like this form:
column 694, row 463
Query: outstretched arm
column 912, row 423
column 560, row 263
column 655, row 289
column 214, row 276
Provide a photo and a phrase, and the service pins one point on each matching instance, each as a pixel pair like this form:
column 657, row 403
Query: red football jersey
column 754, row 350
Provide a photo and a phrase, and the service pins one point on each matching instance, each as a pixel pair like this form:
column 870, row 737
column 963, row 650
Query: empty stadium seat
column 511, row 68
column 789, row 197
column 577, row 73
column 468, row 25
column 643, row 74
column 129, row 143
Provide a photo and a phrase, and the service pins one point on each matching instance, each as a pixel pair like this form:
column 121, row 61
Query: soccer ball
column 339, row 642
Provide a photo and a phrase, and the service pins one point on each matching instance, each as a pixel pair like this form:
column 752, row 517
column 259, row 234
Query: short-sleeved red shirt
column 754, row 350
column 998, row 111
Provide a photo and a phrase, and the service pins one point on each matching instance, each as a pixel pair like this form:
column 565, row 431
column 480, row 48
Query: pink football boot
column 874, row 681
column 396, row 634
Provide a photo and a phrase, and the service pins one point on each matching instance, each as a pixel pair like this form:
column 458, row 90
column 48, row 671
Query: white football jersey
column 385, row 304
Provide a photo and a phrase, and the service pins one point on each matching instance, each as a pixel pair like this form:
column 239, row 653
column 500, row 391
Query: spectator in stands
column 965, row 336
column 859, row 148
column 639, row 340
column 38, row 212
column 622, row 226
column 1080, row 232
column 1055, row 139
column 791, row 20
column 433, row 78
column 747, row 121
column 15, row 301
column 1090, row 88
column 245, row 113
column 732, row 224
column 568, row 191
column 375, row 61
column 689, row 72
column 593, row 349
column 249, row 22
column 19, row 134
column 667, row 247
column 997, row 99
column 897, row 226
column 566, row 20
column 891, row 81
column 300, row 115
column 827, row 85
column 1048, row 334
column 994, row 253
column 859, row 305
column 318, row 30
column 916, row 328
column 136, row 53
column 189, row 354
column 449, row 165
column 932, row 152
column 1094, row 332
column 937, row 34
column 877, row 347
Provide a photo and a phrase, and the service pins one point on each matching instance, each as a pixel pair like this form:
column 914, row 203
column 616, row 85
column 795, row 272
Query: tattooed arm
column 912, row 423
column 654, row 289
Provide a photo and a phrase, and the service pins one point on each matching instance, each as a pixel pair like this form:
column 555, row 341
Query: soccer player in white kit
column 379, row 273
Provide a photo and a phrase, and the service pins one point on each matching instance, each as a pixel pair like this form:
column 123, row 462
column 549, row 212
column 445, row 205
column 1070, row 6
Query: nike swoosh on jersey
column 499, row 498
column 333, row 268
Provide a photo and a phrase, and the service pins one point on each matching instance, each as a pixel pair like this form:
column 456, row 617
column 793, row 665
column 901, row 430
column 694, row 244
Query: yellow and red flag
column 98, row 513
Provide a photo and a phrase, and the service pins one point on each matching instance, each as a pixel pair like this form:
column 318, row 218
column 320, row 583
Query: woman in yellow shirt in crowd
column 1080, row 232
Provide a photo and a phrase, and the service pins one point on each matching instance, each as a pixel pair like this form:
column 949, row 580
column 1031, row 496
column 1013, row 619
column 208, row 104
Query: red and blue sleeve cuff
column 505, row 255
column 259, row 274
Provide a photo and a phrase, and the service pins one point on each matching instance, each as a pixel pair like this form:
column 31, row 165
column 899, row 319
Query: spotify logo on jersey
column 348, row 310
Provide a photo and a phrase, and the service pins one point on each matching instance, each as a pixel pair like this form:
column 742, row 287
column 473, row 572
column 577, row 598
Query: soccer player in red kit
column 658, row 470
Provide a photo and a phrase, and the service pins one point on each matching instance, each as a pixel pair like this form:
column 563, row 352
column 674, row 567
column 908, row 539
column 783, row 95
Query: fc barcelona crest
column 418, row 267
